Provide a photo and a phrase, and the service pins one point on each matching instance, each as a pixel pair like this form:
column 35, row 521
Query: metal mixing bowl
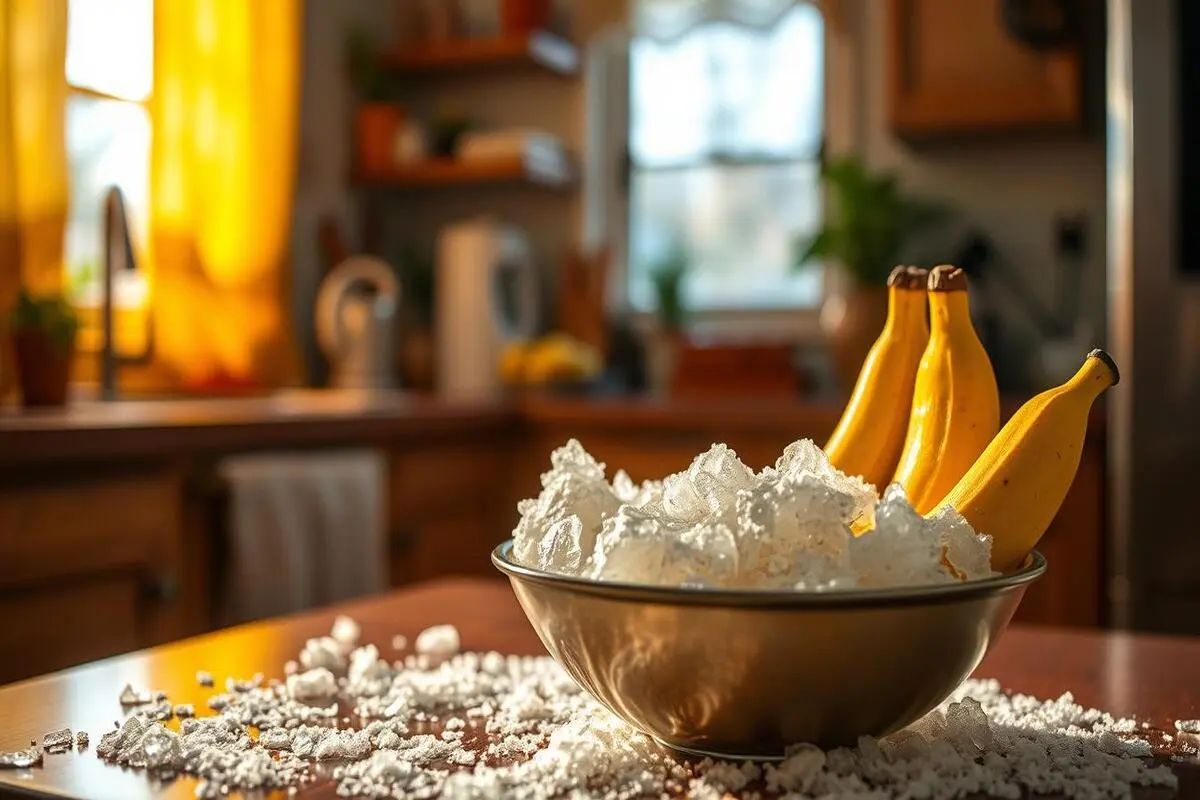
column 744, row 674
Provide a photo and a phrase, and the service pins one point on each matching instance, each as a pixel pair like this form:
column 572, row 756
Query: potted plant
column 43, row 329
column 869, row 230
column 378, row 118
column 446, row 131
column 416, row 351
column 668, row 278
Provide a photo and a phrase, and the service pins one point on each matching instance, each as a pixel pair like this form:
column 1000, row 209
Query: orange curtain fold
column 225, row 115
column 33, row 154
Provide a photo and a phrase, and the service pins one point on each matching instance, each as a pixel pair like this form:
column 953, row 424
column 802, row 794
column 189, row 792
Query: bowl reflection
column 745, row 674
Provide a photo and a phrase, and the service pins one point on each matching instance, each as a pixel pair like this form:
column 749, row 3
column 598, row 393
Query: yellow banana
column 956, row 405
column 1014, row 489
column 868, row 437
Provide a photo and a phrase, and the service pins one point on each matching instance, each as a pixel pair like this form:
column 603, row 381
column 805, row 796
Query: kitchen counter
column 138, row 429
column 133, row 429
column 1151, row 678
column 741, row 415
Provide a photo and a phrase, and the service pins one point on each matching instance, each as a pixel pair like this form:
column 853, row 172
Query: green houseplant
column 43, row 329
column 668, row 277
column 871, row 226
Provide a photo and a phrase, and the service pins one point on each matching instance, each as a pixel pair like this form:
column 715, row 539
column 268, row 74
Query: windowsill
column 799, row 326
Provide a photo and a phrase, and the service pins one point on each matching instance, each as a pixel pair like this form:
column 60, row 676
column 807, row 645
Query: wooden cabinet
column 448, row 507
column 953, row 70
column 90, row 566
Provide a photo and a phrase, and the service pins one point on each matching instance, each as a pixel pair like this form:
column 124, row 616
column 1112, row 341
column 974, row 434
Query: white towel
column 305, row 529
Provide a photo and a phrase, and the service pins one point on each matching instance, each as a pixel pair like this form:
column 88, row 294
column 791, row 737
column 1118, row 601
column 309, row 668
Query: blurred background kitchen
column 301, row 294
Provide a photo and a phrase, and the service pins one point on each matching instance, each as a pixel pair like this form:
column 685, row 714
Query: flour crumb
column 470, row 726
column 57, row 741
column 438, row 643
column 316, row 684
column 323, row 653
column 345, row 632
column 399, row 642
column 204, row 678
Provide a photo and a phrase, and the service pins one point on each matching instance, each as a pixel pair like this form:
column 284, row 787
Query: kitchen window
column 109, row 72
column 725, row 125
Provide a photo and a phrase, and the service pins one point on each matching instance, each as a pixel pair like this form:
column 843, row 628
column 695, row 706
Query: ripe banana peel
column 1017, row 485
column 869, row 436
column 955, row 408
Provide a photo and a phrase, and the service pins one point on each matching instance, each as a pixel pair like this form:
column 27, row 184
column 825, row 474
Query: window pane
column 110, row 46
column 737, row 225
column 108, row 143
column 726, row 90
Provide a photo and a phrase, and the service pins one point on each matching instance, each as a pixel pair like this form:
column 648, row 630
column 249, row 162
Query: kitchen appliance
column 1154, row 312
column 356, row 314
column 487, row 295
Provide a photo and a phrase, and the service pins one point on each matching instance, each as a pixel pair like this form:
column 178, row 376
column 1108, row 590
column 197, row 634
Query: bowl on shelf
column 747, row 673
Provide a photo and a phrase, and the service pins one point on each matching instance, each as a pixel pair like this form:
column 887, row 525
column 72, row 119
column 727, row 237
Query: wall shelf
column 452, row 172
column 541, row 50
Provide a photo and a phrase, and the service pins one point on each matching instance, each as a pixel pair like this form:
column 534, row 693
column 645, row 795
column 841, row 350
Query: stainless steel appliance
column 1154, row 313
column 356, row 310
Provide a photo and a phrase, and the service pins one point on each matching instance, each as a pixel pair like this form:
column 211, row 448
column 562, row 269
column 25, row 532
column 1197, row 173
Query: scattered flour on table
column 720, row 524
column 485, row 725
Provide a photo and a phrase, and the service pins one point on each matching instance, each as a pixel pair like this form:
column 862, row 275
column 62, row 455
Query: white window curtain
column 736, row 93
column 736, row 115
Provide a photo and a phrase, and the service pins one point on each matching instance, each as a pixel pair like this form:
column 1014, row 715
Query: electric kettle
column 356, row 315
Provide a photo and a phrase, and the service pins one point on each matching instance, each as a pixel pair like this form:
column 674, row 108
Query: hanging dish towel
column 305, row 530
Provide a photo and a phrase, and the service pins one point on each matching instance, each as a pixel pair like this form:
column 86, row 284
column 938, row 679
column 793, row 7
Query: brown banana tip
column 1108, row 362
column 907, row 278
column 947, row 278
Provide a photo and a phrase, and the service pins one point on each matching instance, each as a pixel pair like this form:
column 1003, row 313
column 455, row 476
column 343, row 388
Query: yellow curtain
column 225, row 117
column 33, row 154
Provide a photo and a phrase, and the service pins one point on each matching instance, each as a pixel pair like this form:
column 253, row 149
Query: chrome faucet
column 118, row 256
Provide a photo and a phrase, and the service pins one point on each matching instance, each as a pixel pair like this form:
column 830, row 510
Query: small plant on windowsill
column 43, row 329
column 668, row 277
column 870, row 229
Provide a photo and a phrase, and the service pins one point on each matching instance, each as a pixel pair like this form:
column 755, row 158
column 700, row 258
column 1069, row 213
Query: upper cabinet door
column 954, row 70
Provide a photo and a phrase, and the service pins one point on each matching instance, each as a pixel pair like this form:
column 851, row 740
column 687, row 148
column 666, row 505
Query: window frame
column 146, row 103
column 606, row 203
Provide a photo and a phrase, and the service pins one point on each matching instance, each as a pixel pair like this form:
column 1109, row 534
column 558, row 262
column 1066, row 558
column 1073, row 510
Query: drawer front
column 61, row 624
column 86, row 526
column 430, row 481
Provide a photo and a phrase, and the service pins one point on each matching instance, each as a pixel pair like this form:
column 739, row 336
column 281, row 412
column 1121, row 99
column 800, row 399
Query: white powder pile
column 721, row 524
column 485, row 725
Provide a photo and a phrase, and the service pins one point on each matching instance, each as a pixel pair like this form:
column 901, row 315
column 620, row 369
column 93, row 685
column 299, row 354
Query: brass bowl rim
column 1033, row 568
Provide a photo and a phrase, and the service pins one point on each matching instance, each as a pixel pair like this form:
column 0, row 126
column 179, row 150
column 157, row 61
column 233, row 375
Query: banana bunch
column 554, row 358
column 937, row 386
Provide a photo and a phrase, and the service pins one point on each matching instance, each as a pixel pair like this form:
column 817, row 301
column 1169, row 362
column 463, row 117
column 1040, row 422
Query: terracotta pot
column 851, row 320
column 43, row 369
column 662, row 355
column 418, row 358
column 376, row 126
column 523, row 16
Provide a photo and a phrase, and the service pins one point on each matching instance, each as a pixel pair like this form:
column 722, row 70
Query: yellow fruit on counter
column 870, row 435
column 1014, row 489
column 557, row 358
column 512, row 362
column 956, row 405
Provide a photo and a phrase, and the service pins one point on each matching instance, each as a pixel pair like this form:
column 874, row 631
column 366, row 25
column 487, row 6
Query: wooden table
column 1153, row 678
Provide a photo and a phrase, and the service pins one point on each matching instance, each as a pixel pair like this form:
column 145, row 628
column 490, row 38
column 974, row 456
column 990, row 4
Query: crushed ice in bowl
column 721, row 524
